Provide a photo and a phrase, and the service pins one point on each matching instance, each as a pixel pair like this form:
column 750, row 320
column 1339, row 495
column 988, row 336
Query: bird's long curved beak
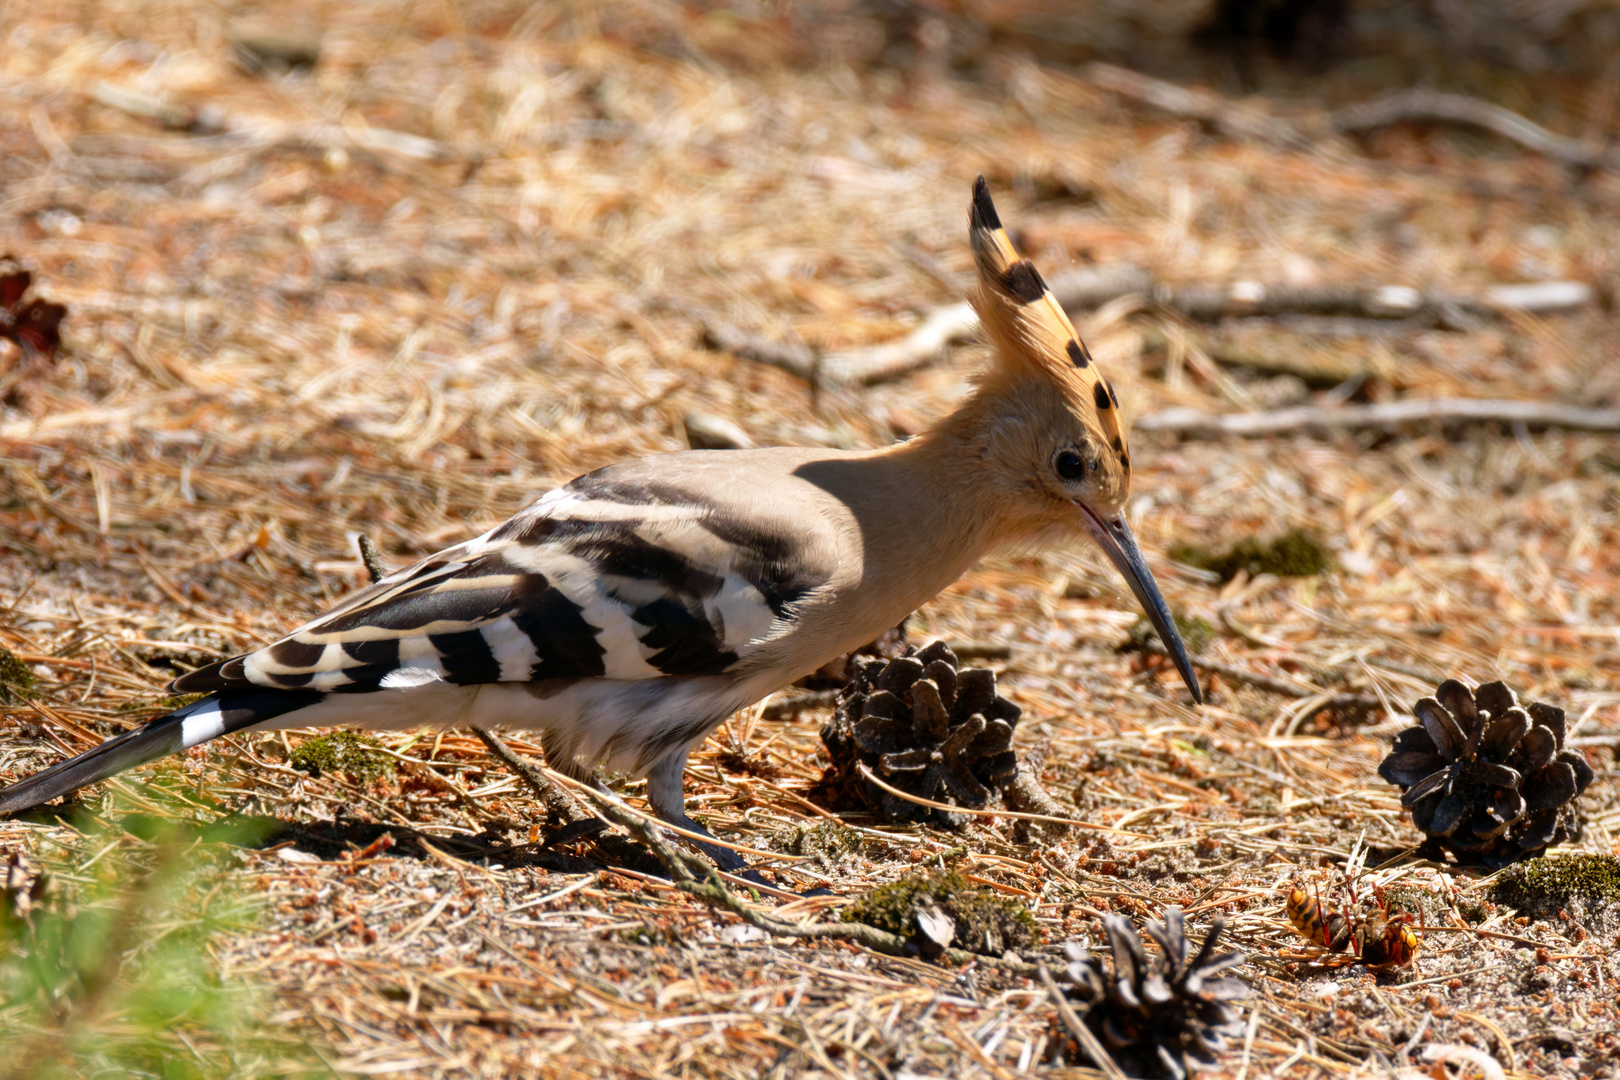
column 1114, row 537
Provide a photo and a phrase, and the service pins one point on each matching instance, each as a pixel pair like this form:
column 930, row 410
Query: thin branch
column 1087, row 288
column 1423, row 106
column 697, row 877
column 1080, row 288
column 556, row 802
column 1194, row 423
column 794, row 357
column 1238, row 121
column 789, row 707
column 377, row 144
column 1434, row 106
column 1016, row 815
column 368, row 555
column 1026, row 795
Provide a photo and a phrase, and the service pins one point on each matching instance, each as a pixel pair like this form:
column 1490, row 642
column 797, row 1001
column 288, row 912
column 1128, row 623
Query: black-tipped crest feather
column 984, row 211
column 1031, row 331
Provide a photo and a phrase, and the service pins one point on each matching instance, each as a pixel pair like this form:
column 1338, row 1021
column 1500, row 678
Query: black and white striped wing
column 590, row 581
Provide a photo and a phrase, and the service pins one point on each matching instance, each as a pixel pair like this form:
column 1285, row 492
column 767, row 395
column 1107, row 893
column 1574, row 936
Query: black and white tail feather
column 218, row 714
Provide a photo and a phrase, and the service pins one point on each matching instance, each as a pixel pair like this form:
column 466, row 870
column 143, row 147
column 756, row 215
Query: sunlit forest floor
column 480, row 248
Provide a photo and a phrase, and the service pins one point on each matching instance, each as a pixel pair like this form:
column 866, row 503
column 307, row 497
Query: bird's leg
column 557, row 804
column 588, row 827
column 668, row 801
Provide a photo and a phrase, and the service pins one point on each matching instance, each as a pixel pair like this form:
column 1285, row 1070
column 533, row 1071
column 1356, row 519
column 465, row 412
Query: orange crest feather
column 1031, row 332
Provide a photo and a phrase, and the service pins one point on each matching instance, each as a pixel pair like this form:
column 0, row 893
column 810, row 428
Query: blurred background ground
column 394, row 269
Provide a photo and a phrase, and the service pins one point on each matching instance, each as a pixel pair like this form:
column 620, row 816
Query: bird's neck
column 946, row 499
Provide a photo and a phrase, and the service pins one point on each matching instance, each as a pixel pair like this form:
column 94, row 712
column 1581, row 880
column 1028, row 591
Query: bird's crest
column 1029, row 329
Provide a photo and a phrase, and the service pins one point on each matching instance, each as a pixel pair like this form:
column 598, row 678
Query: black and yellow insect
column 1379, row 939
column 1387, row 942
column 1316, row 924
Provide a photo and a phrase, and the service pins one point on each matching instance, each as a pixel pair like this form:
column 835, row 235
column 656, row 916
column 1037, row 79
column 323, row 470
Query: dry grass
column 294, row 325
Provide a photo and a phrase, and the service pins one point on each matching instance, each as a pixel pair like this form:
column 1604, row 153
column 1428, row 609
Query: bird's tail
column 213, row 716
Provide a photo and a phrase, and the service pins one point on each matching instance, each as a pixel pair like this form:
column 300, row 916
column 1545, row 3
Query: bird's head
column 1048, row 421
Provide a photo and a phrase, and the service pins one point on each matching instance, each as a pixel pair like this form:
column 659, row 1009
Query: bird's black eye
column 1070, row 466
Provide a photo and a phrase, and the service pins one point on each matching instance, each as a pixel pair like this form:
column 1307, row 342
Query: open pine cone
column 924, row 725
column 1162, row 1015
column 1486, row 778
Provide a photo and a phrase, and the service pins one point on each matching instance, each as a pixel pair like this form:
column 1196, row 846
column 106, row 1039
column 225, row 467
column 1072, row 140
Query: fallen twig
column 1016, row 815
column 376, row 143
column 786, row 708
column 1239, row 121
column 557, row 803
column 794, row 357
column 1087, row 288
column 1026, row 795
column 1435, row 106
column 696, row 876
column 1250, row 299
column 1192, row 422
column 372, row 561
column 1080, row 288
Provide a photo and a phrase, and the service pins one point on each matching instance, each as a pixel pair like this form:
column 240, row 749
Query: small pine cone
column 1164, row 1015
column 924, row 725
column 1486, row 778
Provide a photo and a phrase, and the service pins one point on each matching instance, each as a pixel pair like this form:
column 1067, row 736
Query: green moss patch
column 1415, row 900
column 1196, row 632
column 1540, row 887
column 361, row 757
column 985, row 922
column 1296, row 553
column 16, row 680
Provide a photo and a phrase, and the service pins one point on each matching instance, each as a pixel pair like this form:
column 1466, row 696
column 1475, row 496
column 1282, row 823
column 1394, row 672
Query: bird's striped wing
column 596, row 579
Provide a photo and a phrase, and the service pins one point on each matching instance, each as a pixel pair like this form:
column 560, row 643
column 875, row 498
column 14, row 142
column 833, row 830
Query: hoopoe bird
column 626, row 614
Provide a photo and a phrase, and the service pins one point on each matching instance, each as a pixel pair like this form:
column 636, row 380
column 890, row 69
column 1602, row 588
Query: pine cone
column 1485, row 778
column 925, row 726
column 1163, row 1015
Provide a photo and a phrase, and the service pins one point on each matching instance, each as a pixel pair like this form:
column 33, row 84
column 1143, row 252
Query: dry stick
column 1194, row 423
column 1316, row 366
column 1085, row 288
column 794, row 357
column 373, row 561
column 1243, row 122
column 1432, row 105
column 1239, row 121
column 556, row 802
column 1082, row 287
column 707, row 886
column 374, row 142
column 1026, row 794
column 1053, row 819
column 787, row 708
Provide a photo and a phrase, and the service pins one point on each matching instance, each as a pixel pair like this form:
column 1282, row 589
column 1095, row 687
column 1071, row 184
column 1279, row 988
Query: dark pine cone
column 924, row 726
column 1486, row 778
column 1163, row 1015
